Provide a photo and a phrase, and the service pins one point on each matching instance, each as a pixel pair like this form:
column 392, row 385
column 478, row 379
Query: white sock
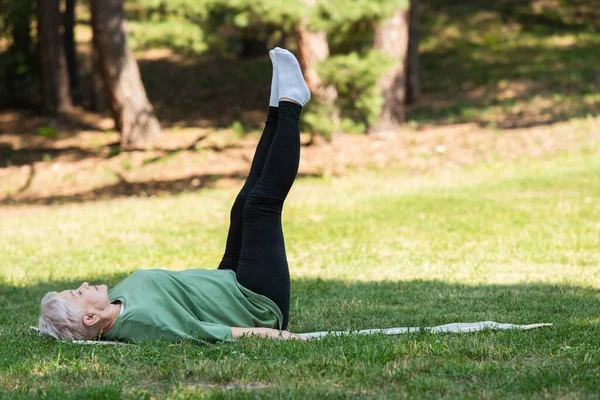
column 291, row 81
column 274, row 100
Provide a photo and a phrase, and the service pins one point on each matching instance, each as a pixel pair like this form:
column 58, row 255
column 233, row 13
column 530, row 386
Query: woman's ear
column 91, row 319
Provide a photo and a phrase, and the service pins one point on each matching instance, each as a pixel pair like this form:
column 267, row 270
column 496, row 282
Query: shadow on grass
column 509, row 77
column 28, row 154
column 30, row 122
column 124, row 188
column 31, row 155
column 557, row 74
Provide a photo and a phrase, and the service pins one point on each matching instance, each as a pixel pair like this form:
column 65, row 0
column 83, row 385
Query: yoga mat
column 460, row 327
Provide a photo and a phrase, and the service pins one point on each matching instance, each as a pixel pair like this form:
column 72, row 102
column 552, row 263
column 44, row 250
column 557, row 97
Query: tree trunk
column 69, row 42
column 391, row 37
column 98, row 92
column 56, row 98
column 133, row 113
column 313, row 48
column 413, row 63
column 21, row 30
column 20, row 53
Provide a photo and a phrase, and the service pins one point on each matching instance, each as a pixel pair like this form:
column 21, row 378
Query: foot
column 274, row 100
column 291, row 81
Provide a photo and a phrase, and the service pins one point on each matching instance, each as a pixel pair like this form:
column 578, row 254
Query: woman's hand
column 290, row 335
column 265, row 332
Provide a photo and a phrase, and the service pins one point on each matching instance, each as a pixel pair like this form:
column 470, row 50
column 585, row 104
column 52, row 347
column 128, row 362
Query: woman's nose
column 85, row 285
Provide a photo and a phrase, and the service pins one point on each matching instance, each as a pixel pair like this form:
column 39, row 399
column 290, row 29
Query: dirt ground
column 82, row 162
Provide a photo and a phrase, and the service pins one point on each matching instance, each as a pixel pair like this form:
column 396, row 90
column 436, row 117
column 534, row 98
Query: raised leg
column 262, row 265
column 234, row 236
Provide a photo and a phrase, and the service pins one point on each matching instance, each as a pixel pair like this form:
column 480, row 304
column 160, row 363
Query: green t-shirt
column 191, row 304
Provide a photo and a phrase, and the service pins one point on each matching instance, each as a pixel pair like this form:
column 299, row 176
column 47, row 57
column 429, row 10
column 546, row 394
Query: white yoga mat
column 459, row 327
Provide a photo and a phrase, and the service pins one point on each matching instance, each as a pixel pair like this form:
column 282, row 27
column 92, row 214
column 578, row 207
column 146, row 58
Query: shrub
column 355, row 78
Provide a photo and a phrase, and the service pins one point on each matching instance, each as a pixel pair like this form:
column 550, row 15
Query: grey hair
column 61, row 319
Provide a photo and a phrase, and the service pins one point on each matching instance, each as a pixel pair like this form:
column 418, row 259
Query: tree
column 56, row 97
column 98, row 96
column 19, row 63
column 69, row 43
column 313, row 48
column 131, row 109
column 413, row 63
column 391, row 37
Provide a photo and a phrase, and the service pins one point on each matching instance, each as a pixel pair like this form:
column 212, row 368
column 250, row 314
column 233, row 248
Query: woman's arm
column 264, row 332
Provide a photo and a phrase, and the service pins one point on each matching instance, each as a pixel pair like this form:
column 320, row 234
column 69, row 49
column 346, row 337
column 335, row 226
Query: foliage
column 316, row 120
column 355, row 78
column 349, row 24
column 511, row 243
column 327, row 15
column 19, row 66
column 359, row 99
column 170, row 32
column 339, row 12
column 270, row 20
column 244, row 18
column 241, row 13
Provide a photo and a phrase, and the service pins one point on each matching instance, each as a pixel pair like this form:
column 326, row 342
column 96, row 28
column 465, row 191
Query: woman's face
column 91, row 299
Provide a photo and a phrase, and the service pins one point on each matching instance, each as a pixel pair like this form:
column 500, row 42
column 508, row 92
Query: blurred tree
column 413, row 63
column 56, row 97
column 21, row 30
column 391, row 37
column 19, row 64
column 70, row 49
column 313, row 48
column 98, row 96
column 131, row 109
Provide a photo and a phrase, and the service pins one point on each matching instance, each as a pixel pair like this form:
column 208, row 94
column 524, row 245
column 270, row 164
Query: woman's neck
column 113, row 313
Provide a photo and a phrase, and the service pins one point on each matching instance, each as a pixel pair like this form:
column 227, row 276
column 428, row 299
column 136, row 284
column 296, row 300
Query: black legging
column 255, row 247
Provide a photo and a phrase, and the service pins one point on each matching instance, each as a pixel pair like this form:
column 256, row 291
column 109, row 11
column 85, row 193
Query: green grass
column 515, row 63
column 515, row 243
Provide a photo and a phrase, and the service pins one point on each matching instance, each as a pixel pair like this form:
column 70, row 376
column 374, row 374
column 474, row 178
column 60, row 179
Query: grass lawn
column 516, row 243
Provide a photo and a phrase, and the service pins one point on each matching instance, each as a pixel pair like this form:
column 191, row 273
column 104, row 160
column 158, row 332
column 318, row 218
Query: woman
column 250, row 292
